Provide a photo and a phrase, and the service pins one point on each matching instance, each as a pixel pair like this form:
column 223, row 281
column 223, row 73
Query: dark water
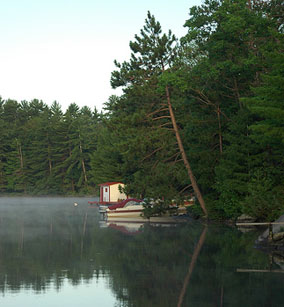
column 55, row 254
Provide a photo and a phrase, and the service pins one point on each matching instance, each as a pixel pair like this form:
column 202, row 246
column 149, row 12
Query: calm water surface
column 55, row 254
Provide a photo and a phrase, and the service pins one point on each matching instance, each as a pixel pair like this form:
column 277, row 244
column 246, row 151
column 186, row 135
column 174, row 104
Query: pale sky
column 64, row 50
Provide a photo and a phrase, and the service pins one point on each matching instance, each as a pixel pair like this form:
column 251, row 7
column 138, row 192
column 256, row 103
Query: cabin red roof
column 109, row 183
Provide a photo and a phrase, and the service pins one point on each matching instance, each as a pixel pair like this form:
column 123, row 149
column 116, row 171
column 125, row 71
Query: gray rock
column 244, row 218
column 275, row 229
column 278, row 236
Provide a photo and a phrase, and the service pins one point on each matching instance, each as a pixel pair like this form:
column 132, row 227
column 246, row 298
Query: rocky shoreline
column 271, row 239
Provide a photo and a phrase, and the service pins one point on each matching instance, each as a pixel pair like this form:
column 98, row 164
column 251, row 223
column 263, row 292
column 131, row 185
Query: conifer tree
column 152, row 56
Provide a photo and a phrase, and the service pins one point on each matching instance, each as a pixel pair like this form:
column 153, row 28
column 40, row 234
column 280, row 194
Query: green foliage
column 45, row 151
column 194, row 211
column 106, row 160
column 156, row 207
column 265, row 199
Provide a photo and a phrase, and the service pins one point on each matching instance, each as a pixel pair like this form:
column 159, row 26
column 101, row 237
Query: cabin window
column 105, row 189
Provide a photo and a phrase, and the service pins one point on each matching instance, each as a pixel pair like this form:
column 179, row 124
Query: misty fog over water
column 53, row 253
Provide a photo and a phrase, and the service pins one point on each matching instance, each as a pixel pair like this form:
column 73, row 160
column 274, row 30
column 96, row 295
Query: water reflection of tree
column 152, row 267
column 192, row 264
column 40, row 248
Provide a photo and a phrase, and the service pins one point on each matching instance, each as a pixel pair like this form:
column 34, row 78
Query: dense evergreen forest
column 203, row 114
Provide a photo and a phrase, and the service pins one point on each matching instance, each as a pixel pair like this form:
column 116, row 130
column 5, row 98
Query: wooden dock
column 269, row 224
column 260, row 224
column 258, row 271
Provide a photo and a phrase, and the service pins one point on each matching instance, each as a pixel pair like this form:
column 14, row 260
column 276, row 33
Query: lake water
column 55, row 254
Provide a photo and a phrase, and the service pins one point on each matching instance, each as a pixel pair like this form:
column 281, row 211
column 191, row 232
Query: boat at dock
column 128, row 208
column 114, row 204
column 132, row 208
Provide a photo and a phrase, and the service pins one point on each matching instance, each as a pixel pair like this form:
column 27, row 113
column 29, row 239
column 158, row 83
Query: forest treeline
column 46, row 151
column 214, row 98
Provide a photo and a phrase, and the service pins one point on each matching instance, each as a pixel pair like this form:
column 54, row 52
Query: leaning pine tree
column 152, row 56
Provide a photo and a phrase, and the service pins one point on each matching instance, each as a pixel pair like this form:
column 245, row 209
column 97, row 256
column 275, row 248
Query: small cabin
column 110, row 192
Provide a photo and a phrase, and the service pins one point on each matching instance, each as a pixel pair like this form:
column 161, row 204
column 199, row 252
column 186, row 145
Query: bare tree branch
column 152, row 153
column 185, row 188
column 157, row 111
column 160, row 117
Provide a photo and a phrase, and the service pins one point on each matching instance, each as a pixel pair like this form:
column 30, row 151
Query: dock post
column 270, row 235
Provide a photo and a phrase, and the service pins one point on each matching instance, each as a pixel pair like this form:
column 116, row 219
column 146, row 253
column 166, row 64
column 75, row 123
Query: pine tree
column 152, row 56
column 265, row 195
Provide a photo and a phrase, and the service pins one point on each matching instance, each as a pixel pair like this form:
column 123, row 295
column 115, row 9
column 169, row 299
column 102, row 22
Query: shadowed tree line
column 46, row 151
column 202, row 114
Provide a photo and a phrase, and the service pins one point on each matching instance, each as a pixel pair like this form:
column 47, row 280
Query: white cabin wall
column 115, row 193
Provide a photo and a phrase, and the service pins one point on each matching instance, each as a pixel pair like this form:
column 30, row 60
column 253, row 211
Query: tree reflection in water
column 43, row 243
column 192, row 264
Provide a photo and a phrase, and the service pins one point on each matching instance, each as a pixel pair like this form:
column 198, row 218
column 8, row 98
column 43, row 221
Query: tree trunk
column 49, row 154
column 237, row 93
column 20, row 155
column 49, row 160
column 184, row 157
column 72, row 185
column 220, row 130
column 21, row 158
column 83, row 163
